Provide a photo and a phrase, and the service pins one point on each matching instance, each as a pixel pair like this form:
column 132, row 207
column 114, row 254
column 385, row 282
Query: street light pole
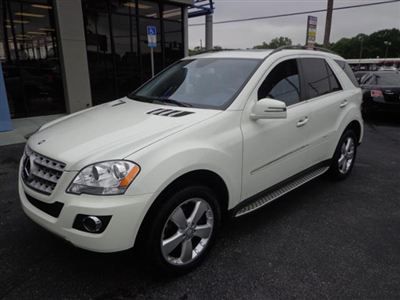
column 388, row 44
column 361, row 52
column 328, row 23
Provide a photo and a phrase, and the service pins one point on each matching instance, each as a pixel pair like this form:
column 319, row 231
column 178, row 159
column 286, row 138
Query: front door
column 276, row 149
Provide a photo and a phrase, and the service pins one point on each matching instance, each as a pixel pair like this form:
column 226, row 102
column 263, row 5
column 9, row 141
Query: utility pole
column 387, row 44
column 209, row 32
column 361, row 52
column 328, row 23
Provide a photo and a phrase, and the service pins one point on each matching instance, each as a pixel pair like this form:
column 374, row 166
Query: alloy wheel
column 346, row 158
column 187, row 231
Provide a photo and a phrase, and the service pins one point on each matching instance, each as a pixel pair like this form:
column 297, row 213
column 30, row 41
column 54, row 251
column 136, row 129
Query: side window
column 349, row 72
column 319, row 79
column 282, row 83
column 333, row 81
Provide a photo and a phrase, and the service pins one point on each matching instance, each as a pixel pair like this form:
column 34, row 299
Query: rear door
column 325, row 94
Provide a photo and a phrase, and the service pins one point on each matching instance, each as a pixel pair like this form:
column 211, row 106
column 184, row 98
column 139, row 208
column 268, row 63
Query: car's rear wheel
column 182, row 230
column 345, row 155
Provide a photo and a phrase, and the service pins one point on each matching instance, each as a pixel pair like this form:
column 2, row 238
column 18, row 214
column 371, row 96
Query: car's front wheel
column 182, row 229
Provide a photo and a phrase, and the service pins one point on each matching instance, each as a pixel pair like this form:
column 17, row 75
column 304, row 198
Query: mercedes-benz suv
column 214, row 135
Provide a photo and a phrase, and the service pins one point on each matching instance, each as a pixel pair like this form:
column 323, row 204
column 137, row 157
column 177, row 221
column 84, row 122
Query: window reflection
column 118, row 52
column 28, row 51
column 100, row 57
column 173, row 33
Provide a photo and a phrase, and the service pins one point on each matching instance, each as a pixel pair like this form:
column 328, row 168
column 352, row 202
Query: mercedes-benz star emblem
column 27, row 167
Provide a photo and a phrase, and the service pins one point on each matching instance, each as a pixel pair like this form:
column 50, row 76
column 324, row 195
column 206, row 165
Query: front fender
column 160, row 169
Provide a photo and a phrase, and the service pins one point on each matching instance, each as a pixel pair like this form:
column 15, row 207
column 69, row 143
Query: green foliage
column 373, row 45
column 275, row 43
column 198, row 50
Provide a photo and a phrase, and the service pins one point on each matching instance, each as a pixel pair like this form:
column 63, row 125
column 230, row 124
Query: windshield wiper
column 158, row 99
column 140, row 98
column 172, row 101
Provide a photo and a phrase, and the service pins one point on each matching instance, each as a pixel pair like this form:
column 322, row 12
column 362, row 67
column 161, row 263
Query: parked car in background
column 381, row 92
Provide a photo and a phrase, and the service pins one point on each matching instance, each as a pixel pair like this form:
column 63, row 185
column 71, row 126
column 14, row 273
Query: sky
column 345, row 23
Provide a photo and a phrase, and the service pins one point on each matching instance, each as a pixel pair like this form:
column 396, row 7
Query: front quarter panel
column 214, row 145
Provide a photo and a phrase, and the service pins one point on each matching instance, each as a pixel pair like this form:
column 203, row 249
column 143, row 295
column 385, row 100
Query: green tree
column 198, row 50
column 373, row 45
column 275, row 43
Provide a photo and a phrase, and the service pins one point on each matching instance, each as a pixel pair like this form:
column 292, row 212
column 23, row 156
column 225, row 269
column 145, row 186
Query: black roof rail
column 298, row 47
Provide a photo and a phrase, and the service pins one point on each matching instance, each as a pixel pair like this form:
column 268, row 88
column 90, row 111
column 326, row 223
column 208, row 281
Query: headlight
column 105, row 178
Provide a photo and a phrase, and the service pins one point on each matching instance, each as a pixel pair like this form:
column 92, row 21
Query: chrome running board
column 270, row 196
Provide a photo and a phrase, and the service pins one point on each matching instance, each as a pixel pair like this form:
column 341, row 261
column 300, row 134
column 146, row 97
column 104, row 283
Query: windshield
column 202, row 83
column 387, row 78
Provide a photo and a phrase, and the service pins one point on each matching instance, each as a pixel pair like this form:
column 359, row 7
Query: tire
column 174, row 229
column 345, row 156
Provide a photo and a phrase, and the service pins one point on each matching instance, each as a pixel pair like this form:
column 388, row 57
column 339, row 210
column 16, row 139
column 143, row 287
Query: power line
column 298, row 13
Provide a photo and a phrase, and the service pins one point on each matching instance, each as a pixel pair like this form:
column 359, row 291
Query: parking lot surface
column 324, row 240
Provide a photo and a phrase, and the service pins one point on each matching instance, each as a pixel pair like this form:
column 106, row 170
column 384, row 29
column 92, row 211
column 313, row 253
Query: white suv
column 216, row 134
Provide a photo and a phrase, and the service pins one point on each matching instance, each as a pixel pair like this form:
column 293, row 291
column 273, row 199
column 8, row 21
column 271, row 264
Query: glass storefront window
column 173, row 33
column 125, row 39
column 99, row 50
column 122, row 63
column 30, row 59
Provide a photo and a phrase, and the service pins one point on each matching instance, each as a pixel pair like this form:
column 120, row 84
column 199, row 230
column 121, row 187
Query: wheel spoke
column 179, row 218
column 203, row 231
column 199, row 209
column 187, row 251
column 342, row 160
column 348, row 143
column 171, row 243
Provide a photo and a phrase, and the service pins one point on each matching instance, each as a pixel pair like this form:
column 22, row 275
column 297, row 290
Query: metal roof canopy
column 201, row 8
column 187, row 2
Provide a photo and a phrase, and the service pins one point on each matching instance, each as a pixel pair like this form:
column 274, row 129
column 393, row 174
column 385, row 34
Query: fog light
column 92, row 224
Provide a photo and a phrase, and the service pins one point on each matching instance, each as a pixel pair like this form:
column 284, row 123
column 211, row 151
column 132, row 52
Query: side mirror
column 268, row 109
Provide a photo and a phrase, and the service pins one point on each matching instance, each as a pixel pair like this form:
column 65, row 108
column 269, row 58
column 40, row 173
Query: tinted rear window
column 349, row 72
column 319, row 79
column 385, row 78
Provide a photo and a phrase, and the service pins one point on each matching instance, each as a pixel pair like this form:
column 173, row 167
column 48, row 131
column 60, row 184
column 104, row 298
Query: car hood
column 112, row 131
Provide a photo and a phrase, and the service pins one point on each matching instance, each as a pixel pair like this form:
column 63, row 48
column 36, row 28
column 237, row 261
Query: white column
column 73, row 55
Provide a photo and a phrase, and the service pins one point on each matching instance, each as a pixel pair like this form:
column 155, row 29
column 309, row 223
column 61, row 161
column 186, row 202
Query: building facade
column 65, row 55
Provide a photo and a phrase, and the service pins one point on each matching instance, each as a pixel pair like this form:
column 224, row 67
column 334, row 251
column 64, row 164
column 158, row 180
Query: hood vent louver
column 169, row 112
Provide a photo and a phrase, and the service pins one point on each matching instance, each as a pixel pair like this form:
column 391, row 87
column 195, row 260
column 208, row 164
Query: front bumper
column 127, row 214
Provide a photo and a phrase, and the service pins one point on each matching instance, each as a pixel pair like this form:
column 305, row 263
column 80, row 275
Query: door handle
column 344, row 103
column 302, row 122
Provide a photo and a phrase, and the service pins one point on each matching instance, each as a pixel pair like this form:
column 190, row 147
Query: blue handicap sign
column 151, row 36
column 151, row 30
column 5, row 119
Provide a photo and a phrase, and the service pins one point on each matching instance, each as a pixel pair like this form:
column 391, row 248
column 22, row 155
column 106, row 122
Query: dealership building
column 61, row 56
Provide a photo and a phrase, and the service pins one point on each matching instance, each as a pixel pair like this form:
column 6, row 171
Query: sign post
column 311, row 31
column 152, row 43
column 5, row 119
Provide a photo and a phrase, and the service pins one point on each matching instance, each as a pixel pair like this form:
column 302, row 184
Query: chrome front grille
column 41, row 173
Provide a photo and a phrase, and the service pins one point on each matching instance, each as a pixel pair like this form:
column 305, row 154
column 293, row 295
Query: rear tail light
column 376, row 93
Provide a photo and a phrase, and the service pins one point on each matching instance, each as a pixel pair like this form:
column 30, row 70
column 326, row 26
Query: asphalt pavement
column 324, row 240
